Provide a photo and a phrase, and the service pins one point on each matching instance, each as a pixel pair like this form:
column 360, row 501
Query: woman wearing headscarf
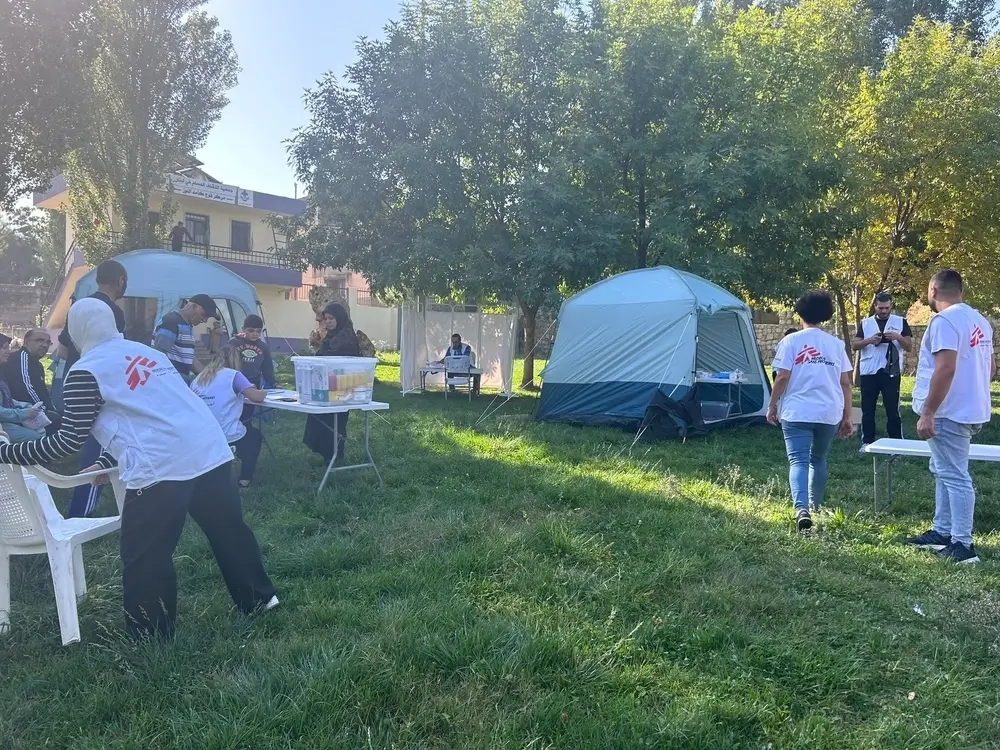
column 14, row 413
column 173, row 458
column 339, row 341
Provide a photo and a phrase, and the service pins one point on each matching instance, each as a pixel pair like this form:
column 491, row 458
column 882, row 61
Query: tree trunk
column 642, row 240
column 528, row 379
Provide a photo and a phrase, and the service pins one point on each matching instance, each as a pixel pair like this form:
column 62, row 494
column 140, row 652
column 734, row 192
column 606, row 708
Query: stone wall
column 20, row 307
column 768, row 336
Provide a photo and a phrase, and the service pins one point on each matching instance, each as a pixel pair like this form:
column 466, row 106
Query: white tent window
column 426, row 333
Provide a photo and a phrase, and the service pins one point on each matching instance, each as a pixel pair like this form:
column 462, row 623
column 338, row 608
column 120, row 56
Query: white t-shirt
column 816, row 361
column 961, row 329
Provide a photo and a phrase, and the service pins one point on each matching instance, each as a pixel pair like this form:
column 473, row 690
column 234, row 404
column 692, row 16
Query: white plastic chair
column 31, row 525
column 458, row 365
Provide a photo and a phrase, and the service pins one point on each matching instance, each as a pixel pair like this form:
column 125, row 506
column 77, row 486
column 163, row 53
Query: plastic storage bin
column 334, row 380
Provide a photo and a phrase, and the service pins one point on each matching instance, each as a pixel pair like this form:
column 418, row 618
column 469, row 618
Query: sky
column 284, row 48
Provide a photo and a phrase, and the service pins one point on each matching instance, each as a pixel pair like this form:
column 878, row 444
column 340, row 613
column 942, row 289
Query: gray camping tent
column 654, row 348
column 159, row 281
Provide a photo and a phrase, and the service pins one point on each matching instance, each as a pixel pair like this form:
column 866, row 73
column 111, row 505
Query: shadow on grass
column 513, row 587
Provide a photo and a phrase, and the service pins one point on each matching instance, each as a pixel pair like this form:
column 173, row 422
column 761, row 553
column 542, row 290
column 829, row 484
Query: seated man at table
column 460, row 349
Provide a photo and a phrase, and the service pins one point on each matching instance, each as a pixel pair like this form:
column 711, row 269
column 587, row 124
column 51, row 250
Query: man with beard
column 883, row 340
column 952, row 397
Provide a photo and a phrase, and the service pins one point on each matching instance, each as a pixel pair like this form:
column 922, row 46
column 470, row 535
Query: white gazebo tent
column 425, row 334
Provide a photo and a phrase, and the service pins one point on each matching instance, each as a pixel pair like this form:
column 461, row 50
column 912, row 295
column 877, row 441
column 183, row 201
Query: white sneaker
column 271, row 604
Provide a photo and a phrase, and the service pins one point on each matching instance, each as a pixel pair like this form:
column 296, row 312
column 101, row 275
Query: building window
column 197, row 226
column 240, row 239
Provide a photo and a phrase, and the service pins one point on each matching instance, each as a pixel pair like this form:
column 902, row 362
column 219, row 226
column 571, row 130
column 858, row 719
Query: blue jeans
column 85, row 497
column 954, row 497
column 807, row 444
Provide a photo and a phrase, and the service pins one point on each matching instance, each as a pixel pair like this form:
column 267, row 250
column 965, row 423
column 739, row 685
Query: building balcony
column 254, row 266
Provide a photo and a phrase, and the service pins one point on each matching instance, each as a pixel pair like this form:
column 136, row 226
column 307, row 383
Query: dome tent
column 641, row 350
column 159, row 281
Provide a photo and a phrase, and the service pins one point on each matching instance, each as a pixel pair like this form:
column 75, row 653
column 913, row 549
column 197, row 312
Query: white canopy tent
column 426, row 332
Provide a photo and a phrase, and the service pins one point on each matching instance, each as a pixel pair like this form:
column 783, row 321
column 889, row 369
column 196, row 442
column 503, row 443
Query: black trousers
column 318, row 436
column 248, row 451
column 152, row 521
column 873, row 386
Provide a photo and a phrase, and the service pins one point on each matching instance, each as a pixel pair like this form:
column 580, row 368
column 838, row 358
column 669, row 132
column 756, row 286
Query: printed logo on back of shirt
column 977, row 337
column 810, row 355
column 138, row 371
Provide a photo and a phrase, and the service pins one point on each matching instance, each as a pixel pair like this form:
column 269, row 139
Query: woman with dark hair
column 813, row 387
column 340, row 341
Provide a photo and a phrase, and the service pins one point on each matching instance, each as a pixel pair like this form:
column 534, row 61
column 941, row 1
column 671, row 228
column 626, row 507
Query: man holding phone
column 883, row 339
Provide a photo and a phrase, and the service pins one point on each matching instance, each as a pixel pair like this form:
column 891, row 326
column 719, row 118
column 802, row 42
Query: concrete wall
column 19, row 307
column 289, row 321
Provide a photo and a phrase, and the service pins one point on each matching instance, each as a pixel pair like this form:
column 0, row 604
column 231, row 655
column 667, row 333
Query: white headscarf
column 91, row 323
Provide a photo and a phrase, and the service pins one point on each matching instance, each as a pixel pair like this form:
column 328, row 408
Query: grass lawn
column 520, row 585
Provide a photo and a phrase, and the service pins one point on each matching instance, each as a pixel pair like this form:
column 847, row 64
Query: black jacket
column 25, row 376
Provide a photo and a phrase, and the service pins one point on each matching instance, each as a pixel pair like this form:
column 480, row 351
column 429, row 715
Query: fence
column 367, row 299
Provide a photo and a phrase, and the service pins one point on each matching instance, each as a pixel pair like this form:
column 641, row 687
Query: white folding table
column 433, row 368
column 885, row 450
column 289, row 401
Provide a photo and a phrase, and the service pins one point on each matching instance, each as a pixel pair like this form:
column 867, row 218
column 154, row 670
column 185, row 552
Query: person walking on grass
column 952, row 399
column 884, row 340
column 173, row 458
column 813, row 388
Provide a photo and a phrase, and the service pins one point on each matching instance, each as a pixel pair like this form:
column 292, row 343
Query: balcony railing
column 367, row 299
column 218, row 252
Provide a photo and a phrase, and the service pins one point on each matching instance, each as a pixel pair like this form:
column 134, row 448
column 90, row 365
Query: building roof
column 279, row 204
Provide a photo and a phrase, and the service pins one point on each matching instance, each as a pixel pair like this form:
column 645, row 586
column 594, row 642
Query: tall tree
column 43, row 51
column 441, row 168
column 712, row 156
column 155, row 88
column 926, row 136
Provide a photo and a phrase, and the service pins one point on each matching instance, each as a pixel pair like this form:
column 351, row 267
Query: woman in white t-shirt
column 223, row 388
column 813, row 387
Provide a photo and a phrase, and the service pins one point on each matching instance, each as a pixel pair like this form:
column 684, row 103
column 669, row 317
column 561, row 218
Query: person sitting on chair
column 459, row 349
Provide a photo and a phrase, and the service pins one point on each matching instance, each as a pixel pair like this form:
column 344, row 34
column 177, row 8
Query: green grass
column 520, row 585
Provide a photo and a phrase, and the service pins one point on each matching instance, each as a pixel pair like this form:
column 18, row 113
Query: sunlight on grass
column 518, row 584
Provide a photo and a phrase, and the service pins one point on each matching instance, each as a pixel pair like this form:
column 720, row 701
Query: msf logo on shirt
column 977, row 337
column 811, row 356
column 138, row 371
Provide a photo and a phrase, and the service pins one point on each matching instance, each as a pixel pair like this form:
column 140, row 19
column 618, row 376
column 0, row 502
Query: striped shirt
column 175, row 336
column 82, row 400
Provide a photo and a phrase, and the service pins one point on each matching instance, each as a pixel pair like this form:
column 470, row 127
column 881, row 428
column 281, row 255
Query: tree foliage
column 28, row 254
column 926, row 136
column 154, row 89
column 520, row 149
column 43, row 51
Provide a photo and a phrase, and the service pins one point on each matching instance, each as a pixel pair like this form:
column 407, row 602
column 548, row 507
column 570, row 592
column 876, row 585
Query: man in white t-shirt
column 952, row 397
column 813, row 388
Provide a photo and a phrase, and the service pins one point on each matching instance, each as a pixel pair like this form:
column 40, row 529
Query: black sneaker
column 803, row 521
column 930, row 539
column 957, row 552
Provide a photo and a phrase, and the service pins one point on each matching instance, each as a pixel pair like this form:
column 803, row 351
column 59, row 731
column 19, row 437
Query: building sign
column 244, row 197
column 210, row 191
